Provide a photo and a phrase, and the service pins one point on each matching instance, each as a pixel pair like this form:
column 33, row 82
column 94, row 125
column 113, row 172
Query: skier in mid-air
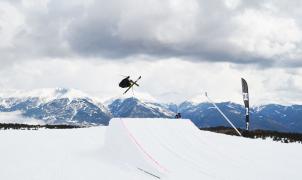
column 125, row 82
column 128, row 83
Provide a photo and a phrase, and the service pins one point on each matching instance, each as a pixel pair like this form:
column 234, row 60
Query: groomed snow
column 132, row 148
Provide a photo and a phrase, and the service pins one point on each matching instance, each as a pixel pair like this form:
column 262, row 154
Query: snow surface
column 132, row 148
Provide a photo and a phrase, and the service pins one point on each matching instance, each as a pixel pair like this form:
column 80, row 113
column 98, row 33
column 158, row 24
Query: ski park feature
column 144, row 149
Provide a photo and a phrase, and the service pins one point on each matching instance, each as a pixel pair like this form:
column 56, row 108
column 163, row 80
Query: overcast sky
column 180, row 47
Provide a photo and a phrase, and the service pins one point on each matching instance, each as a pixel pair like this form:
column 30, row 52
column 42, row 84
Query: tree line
column 6, row 126
column 284, row 137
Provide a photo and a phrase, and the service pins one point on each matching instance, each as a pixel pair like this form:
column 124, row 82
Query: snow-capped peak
column 197, row 99
column 143, row 97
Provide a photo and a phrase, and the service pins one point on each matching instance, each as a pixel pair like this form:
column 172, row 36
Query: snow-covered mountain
column 69, row 106
column 271, row 116
column 56, row 106
column 289, row 116
column 133, row 107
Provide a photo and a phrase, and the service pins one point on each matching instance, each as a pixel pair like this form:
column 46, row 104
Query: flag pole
column 226, row 118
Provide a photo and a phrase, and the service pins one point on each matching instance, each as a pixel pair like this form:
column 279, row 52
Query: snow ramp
column 177, row 149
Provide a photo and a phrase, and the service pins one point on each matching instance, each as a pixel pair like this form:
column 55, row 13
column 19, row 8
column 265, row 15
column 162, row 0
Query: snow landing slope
column 176, row 149
column 144, row 149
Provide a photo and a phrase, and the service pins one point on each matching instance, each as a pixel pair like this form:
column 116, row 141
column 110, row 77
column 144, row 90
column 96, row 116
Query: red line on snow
column 142, row 149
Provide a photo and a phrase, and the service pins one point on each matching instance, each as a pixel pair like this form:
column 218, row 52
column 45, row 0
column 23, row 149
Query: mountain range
column 69, row 106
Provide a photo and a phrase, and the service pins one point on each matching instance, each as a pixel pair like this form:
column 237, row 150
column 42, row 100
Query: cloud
column 10, row 21
column 167, row 80
column 222, row 31
column 180, row 47
column 17, row 117
column 262, row 33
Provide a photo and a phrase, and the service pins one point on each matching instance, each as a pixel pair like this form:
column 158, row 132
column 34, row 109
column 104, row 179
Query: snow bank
column 17, row 117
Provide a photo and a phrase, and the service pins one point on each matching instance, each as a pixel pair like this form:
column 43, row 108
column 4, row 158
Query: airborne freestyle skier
column 128, row 83
column 125, row 82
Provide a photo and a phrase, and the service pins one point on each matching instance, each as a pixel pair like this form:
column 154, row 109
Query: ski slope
column 143, row 149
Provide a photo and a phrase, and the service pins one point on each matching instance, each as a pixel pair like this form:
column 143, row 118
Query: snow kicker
column 176, row 149
column 155, row 147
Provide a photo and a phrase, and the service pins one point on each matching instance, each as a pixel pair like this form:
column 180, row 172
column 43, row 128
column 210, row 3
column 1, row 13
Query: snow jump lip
column 177, row 149
column 137, row 142
column 141, row 147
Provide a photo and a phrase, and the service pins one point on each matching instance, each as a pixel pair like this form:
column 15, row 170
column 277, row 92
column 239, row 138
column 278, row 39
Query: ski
column 148, row 173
